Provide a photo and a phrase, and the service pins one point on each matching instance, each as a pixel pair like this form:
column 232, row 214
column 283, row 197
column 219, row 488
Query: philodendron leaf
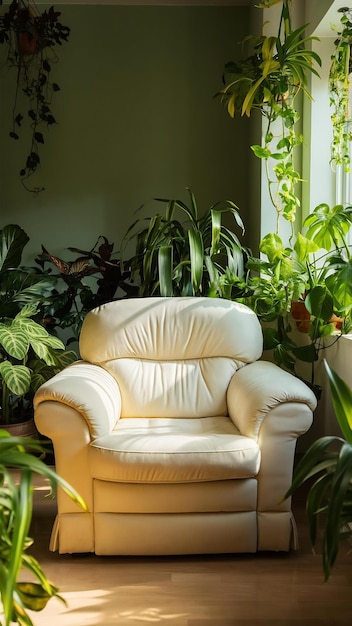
column 272, row 246
column 270, row 338
column 308, row 353
column 12, row 241
column 319, row 303
column 261, row 152
column 304, row 246
column 31, row 328
column 16, row 377
column 341, row 285
column 327, row 225
column 14, row 341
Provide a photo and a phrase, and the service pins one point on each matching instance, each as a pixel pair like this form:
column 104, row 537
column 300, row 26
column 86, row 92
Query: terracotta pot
column 337, row 321
column 22, row 429
column 27, row 43
column 300, row 315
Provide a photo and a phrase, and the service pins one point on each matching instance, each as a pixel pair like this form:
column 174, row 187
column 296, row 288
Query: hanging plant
column 339, row 88
column 268, row 78
column 30, row 37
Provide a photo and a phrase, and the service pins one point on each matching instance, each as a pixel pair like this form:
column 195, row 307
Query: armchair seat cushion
column 172, row 450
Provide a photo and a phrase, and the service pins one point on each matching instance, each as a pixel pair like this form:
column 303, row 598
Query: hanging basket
column 27, row 43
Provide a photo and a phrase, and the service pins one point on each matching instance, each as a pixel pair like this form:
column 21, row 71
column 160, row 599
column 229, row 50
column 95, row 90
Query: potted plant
column 74, row 296
column 312, row 274
column 190, row 256
column 16, row 499
column 311, row 270
column 30, row 38
column 29, row 355
column 327, row 465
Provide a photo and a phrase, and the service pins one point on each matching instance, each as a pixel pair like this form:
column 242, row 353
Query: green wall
column 136, row 120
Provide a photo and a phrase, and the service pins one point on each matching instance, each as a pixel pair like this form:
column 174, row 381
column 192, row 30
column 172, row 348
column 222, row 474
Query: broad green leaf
column 12, row 242
column 308, row 353
column 261, row 152
column 304, row 246
column 340, row 283
column 328, row 226
column 14, row 341
column 272, row 246
column 319, row 303
column 16, row 377
column 31, row 328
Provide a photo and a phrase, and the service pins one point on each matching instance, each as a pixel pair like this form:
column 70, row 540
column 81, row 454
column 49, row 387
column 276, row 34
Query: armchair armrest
column 79, row 404
column 90, row 390
column 274, row 408
column 260, row 387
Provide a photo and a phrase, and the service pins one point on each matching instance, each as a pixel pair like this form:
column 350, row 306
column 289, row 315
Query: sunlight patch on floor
column 151, row 614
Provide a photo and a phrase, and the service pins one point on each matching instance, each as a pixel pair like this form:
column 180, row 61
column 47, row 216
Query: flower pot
column 22, row 429
column 337, row 321
column 300, row 315
column 27, row 43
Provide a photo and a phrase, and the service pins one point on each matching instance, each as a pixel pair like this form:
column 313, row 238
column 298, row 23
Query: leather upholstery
column 178, row 437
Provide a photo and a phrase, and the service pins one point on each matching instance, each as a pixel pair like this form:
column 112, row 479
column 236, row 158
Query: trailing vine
column 269, row 79
column 30, row 36
column 339, row 87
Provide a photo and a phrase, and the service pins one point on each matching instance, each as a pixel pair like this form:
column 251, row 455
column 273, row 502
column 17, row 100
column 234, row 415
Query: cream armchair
column 178, row 437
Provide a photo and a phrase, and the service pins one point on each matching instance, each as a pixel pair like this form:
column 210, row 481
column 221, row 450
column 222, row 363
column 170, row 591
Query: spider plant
column 190, row 256
column 329, row 463
column 16, row 500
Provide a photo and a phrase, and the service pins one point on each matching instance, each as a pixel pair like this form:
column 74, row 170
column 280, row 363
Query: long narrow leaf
column 309, row 465
column 315, row 504
column 193, row 203
column 21, row 526
column 165, row 263
column 215, row 231
column 196, row 249
column 340, row 485
column 342, row 402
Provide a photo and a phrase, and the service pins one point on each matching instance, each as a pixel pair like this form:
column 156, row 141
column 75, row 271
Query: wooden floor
column 246, row 590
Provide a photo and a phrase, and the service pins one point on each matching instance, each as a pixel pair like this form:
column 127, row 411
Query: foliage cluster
column 16, row 502
column 327, row 464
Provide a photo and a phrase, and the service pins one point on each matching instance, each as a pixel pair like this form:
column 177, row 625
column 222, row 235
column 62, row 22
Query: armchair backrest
column 172, row 357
